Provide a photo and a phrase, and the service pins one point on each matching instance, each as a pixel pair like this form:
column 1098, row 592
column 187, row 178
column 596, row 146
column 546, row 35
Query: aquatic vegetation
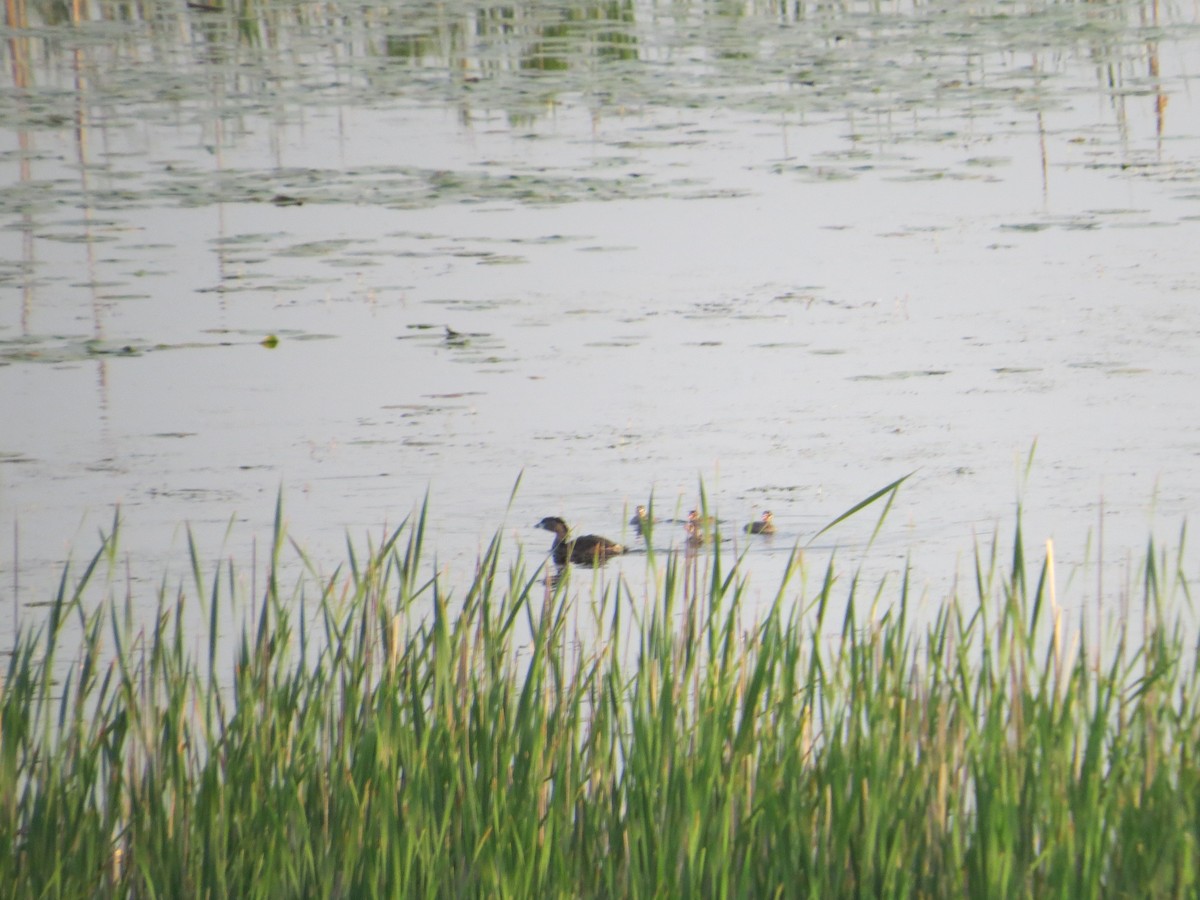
column 387, row 738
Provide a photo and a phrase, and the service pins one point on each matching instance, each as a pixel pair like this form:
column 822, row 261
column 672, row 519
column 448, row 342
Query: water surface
column 362, row 253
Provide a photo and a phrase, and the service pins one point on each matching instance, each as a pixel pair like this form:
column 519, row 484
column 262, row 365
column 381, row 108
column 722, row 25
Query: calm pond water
column 793, row 250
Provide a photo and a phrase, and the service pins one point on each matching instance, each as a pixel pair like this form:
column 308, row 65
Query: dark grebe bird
column 589, row 550
column 641, row 520
column 765, row 525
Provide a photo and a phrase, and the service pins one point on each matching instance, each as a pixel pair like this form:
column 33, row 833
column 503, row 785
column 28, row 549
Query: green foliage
column 388, row 739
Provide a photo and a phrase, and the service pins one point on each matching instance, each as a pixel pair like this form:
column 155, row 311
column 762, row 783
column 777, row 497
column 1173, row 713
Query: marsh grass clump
column 384, row 738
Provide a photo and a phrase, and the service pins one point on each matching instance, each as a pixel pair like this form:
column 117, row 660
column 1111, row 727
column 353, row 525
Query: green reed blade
column 888, row 490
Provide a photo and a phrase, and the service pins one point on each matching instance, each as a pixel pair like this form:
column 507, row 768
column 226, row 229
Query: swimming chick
column 589, row 550
column 700, row 528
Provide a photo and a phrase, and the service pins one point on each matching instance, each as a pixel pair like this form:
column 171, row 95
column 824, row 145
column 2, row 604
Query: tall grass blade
column 887, row 490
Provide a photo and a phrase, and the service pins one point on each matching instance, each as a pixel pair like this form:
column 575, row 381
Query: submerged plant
column 387, row 739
